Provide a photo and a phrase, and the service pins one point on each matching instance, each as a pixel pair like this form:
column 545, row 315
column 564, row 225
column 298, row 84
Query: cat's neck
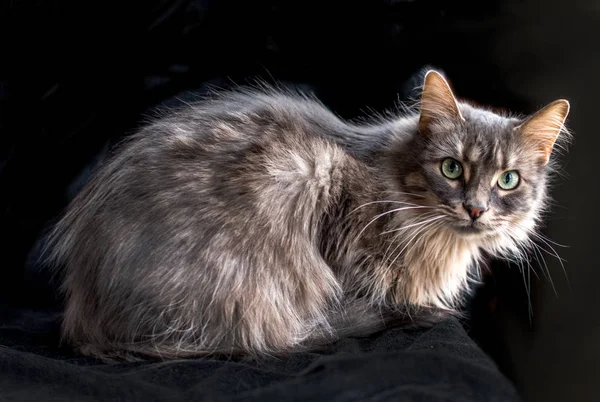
column 435, row 267
column 402, row 262
column 368, row 140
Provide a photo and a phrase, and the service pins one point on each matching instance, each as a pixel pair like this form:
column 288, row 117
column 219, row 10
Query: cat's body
column 259, row 222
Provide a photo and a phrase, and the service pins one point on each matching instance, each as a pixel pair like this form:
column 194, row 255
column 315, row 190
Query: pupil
column 508, row 178
column 452, row 167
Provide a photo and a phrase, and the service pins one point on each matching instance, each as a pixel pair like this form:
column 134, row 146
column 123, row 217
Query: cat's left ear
column 543, row 128
column 438, row 103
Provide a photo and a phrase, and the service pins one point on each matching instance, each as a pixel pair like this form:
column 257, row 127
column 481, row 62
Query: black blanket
column 438, row 364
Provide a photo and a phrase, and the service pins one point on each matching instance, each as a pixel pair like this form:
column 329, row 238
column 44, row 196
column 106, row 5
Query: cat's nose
column 475, row 211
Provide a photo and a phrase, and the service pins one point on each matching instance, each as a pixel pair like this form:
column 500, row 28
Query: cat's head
column 482, row 174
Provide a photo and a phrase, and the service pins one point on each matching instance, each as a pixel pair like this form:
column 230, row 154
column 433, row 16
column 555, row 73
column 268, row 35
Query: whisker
column 383, row 214
column 560, row 259
column 406, row 193
column 397, row 235
column 528, row 288
column 527, row 285
column 550, row 240
column 536, row 251
column 539, row 257
column 420, row 230
column 413, row 225
column 382, row 202
column 553, row 253
column 526, row 282
column 525, row 257
column 398, row 245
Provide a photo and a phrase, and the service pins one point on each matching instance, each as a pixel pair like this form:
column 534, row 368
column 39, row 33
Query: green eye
column 451, row 168
column 508, row 180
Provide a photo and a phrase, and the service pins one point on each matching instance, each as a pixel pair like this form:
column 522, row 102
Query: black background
column 75, row 73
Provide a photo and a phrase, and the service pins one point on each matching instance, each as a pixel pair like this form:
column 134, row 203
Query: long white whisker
column 537, row 251
column 383, row 214
column 420, row 230
column 382, row 202
column 528, row 288
column 386, row 255
column 544, row 239
column 527, row 285
column 412, row 225
column 525, row 257
column 540, row 235
column 526, row 281
column 404, row 192
column 554, row 253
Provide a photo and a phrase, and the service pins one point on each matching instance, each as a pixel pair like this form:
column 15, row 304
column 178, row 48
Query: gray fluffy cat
column 259, row 223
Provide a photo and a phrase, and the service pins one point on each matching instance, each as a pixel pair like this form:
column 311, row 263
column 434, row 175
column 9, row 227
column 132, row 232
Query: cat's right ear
column 437, row 102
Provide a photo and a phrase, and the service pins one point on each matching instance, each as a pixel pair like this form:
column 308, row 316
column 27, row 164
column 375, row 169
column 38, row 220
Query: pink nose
column 475, row 211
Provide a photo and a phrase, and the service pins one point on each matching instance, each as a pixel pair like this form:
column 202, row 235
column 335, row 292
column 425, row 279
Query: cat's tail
column 145, row 352
column 360, row 320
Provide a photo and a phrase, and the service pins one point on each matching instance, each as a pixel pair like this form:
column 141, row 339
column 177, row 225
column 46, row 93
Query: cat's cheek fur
column 445, row 191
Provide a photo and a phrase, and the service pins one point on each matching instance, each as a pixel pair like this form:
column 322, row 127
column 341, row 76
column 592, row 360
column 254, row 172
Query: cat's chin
column 468, row 228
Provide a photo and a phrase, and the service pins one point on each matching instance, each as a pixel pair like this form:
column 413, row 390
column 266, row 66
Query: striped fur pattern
column 256, row 223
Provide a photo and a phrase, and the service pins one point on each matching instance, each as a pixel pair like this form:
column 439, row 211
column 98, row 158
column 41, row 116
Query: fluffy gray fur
column 257, row 222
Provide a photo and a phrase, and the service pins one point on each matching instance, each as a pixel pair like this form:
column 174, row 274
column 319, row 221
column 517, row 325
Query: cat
column 256, row 222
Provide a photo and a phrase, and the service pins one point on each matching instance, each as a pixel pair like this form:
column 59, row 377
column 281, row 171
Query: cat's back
column 195, row 207
column 236, row 140
column 234, row 147
column 243, row 117
column 223, row 156
column 223, row 146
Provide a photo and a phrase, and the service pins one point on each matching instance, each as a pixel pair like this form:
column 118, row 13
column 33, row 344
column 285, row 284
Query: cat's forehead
column 477, row 120
column 484, row 137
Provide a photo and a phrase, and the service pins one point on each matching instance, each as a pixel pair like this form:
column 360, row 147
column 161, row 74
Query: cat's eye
column 508, row 180
column 451, row 168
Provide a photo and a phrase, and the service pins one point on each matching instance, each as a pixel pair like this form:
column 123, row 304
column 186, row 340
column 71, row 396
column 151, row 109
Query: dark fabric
column 84, row 74
column 439, row 364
